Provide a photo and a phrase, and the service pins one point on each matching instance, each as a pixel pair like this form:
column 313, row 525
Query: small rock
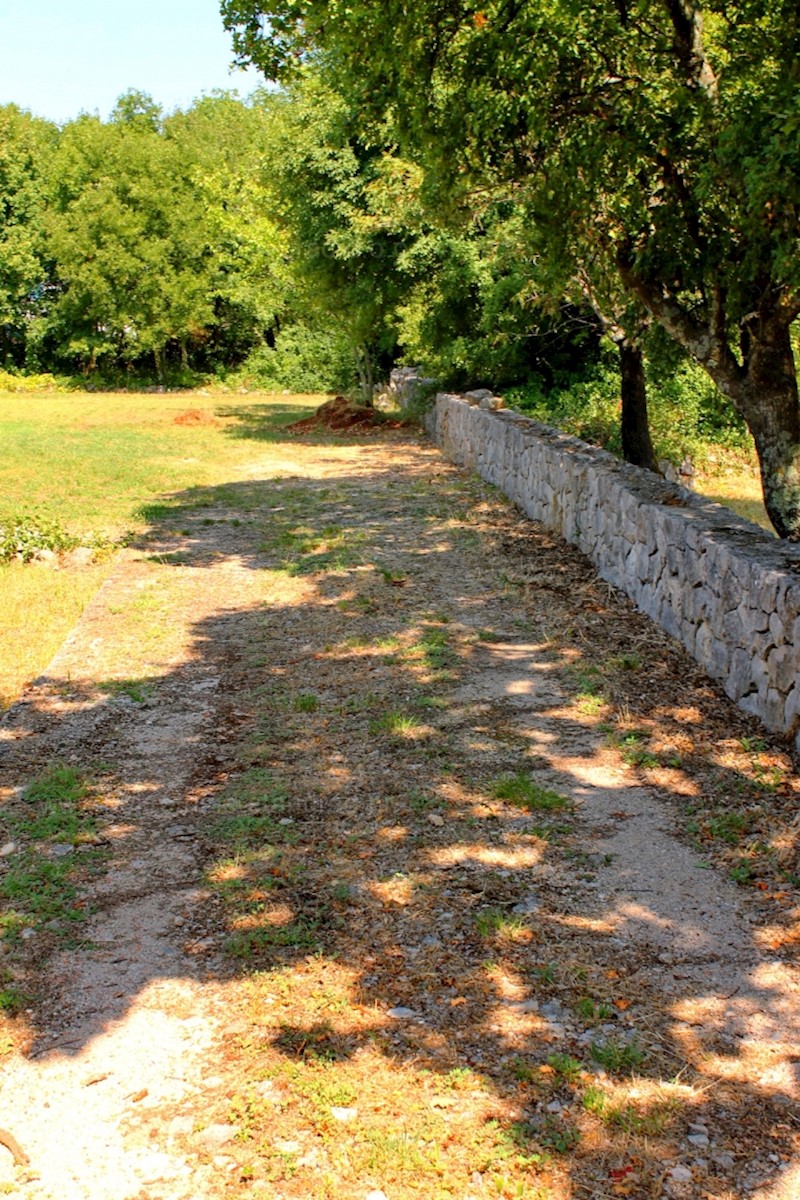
column 697, row 1127
column 7, row 849
column 47, row 557
column 529, row 905
column 27, row 934
column 286, row 821
column 524, row 1005
column 344, row 1114
column 700, row 1140
column 81, row 556
column 555, row 1106
column 61, row 850
column 400, row 1013
column 214, row 1136
column 288, row 1147
column 376, row 1195
column 552, row 1010
column 680, row 1174
column 435, row 819
column 724, row 1160
column 180, row 1126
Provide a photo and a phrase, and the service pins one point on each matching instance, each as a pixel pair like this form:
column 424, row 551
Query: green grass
column 519, row 789
column 395, row 724
column 54, row 831
column 618, row 1058
column 93, row 466
column 493, row 922
column 88, row 461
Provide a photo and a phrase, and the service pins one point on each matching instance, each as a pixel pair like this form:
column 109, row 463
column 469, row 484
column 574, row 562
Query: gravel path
column 122, row 1056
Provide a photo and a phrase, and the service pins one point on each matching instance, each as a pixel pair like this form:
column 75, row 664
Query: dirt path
column 409, row 868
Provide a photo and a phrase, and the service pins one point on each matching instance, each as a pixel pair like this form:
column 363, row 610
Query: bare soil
column 425, row 867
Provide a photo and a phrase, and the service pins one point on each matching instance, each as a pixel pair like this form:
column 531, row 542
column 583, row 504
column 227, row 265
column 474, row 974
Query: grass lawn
column 91, row 461
column 737, row 487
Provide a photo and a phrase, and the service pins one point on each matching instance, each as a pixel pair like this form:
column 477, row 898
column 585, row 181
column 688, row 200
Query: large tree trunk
column 637, row 447
column 766, row 396
column 762, row 386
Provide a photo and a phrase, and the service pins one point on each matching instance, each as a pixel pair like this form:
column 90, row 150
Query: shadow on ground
column 401, row 810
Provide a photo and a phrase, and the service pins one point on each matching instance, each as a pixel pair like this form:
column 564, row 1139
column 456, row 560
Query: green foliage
column 520, row 789
column 304, row 358
column 649, row 155
column 23, row 534
column 688, row 415
column 14, row 382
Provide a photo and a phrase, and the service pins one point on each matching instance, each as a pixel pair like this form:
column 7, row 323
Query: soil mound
column 338, row 414
column 194, row 416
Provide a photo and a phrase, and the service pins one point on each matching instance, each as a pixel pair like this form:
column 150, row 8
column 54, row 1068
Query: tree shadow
column 315, row 792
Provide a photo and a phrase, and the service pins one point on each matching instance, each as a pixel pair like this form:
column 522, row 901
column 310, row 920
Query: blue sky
column 61, row 57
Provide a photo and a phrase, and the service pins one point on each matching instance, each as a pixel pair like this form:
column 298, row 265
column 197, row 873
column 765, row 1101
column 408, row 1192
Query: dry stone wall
column 719, row 584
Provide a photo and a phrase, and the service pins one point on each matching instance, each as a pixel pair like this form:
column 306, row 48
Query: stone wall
column 723, row 587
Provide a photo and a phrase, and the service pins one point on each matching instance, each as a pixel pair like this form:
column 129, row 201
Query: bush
column 304, row 359
column 10, row 382
column 23, row 534
column 587, row 408
column 688, row 414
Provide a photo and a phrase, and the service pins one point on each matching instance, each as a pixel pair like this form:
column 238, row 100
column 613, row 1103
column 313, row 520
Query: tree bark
column 762, row 386
column 365, row 376
column 766, row 396
column 637, row 446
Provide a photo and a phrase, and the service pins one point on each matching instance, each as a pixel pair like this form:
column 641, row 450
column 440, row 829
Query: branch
column 707, row 342
column 687, row 26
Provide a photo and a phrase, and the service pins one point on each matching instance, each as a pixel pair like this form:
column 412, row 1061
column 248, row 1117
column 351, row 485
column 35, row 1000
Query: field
column 92, row 463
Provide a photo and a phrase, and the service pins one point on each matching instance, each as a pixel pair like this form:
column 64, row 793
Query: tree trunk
column 365, row 378
column 766, row 396
column 158, row 357
column 637, row 448
column 762, row 387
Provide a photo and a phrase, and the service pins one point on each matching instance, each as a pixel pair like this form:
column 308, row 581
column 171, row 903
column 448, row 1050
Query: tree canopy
column 656, row 144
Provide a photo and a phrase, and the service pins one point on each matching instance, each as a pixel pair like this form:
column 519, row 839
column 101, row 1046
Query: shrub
column 23, row 534
column 304, row 359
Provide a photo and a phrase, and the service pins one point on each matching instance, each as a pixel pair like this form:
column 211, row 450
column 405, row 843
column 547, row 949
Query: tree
column 126, row 232
column 226, row 148
column 344, row 255
column 25, row 144
column 665, row 134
